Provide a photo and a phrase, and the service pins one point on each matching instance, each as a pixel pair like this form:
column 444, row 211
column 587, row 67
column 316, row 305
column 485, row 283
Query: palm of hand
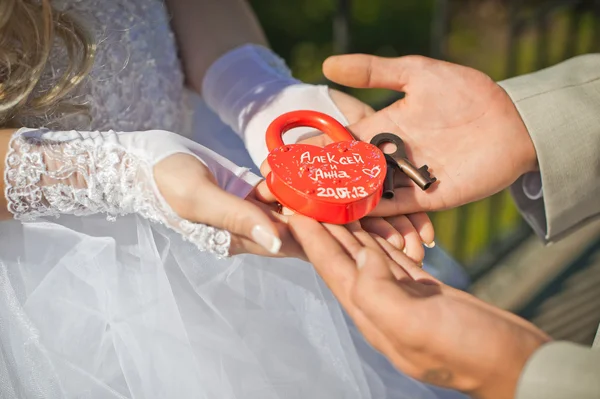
column 406, row 232
column 449, row 338
column 428, row 330
column 453, row 118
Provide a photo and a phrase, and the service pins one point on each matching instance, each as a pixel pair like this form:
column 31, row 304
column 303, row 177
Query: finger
column 223, row 210
column 407, row 200
column 389, row 249
column 329, row 258
column 352, row 108
column 289, row 247
column 339, row 271
column 346, row 236
column 265, row 169
column 391, row 306
column 413, row 246
column 376, row 292
column 320, row 141
column 364, row 238
column 383, row 229
column 368, row 71
column 407, row 266
column 424, row 227
column 263, row 194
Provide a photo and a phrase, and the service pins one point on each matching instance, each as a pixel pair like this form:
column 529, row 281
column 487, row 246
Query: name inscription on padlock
column 339, row 183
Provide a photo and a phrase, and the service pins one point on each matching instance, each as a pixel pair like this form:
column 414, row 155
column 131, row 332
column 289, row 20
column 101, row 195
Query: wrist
column 525, row 152
column 529, row 157
column 503, row 380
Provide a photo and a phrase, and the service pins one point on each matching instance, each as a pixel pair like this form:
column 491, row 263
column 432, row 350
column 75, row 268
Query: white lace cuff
column 83, row 173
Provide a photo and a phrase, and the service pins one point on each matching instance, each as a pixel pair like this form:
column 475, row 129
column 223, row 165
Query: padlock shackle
column 303, row 118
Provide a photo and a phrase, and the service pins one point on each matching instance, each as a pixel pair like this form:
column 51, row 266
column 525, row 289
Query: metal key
column 399, row 161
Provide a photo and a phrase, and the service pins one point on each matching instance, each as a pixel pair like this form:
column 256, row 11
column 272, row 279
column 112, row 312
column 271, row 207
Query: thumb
column 223, row 210
column 373, row 266
column 262, row 192
column 368, row 71
column 376, row 292
column 320, row 140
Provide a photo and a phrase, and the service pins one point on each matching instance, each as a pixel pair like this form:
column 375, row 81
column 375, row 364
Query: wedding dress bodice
column 137, row 81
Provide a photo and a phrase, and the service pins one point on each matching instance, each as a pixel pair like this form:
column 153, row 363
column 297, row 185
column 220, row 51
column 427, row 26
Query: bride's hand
column 405, row 232
column 255, row 225
column 158, row 175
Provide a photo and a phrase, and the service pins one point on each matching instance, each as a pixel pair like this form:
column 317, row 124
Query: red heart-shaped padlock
column 339, row 183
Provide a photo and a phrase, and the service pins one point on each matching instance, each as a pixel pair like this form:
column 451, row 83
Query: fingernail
column 361, row 258
column 266, row 239
column 430, row 245
column 404, row 250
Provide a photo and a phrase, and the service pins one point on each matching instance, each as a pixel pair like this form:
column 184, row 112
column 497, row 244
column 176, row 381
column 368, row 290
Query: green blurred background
column 482, row 34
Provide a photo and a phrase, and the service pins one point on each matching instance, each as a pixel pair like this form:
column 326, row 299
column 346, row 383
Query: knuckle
column 235, row 221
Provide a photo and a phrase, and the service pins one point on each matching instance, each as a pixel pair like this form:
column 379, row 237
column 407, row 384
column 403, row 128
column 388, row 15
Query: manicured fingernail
column 286, row 211
column 430, row 245
column 361, row 258
column 266, row 239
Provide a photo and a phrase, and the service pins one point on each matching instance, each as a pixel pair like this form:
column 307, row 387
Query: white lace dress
column 91, row 308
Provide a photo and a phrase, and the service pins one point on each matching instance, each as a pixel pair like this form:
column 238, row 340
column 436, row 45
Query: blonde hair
column 29, row 30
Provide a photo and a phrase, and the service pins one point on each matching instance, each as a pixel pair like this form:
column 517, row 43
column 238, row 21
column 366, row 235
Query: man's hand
column 453, row 118
column 406, row 232
column 430, row 331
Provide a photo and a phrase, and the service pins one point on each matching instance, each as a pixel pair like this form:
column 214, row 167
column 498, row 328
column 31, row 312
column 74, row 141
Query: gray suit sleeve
column 561, row 110
column 561, row 370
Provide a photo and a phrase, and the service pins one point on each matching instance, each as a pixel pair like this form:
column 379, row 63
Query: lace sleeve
column 83, row 173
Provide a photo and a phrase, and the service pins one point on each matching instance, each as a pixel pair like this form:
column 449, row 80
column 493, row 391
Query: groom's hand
column 454, row 119
column 406, row 232
column 430, row 331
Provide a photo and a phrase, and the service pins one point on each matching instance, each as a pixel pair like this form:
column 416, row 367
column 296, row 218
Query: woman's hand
column 157, row 174
column 407, row 233
column 255, row 224
column 191, row 190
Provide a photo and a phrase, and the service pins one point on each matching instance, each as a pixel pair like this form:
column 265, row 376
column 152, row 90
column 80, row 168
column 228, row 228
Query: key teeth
column 430, row 179
column 425, row 170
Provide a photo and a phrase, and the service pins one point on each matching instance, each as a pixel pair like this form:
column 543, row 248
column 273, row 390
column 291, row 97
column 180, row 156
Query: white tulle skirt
column 99, row 310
